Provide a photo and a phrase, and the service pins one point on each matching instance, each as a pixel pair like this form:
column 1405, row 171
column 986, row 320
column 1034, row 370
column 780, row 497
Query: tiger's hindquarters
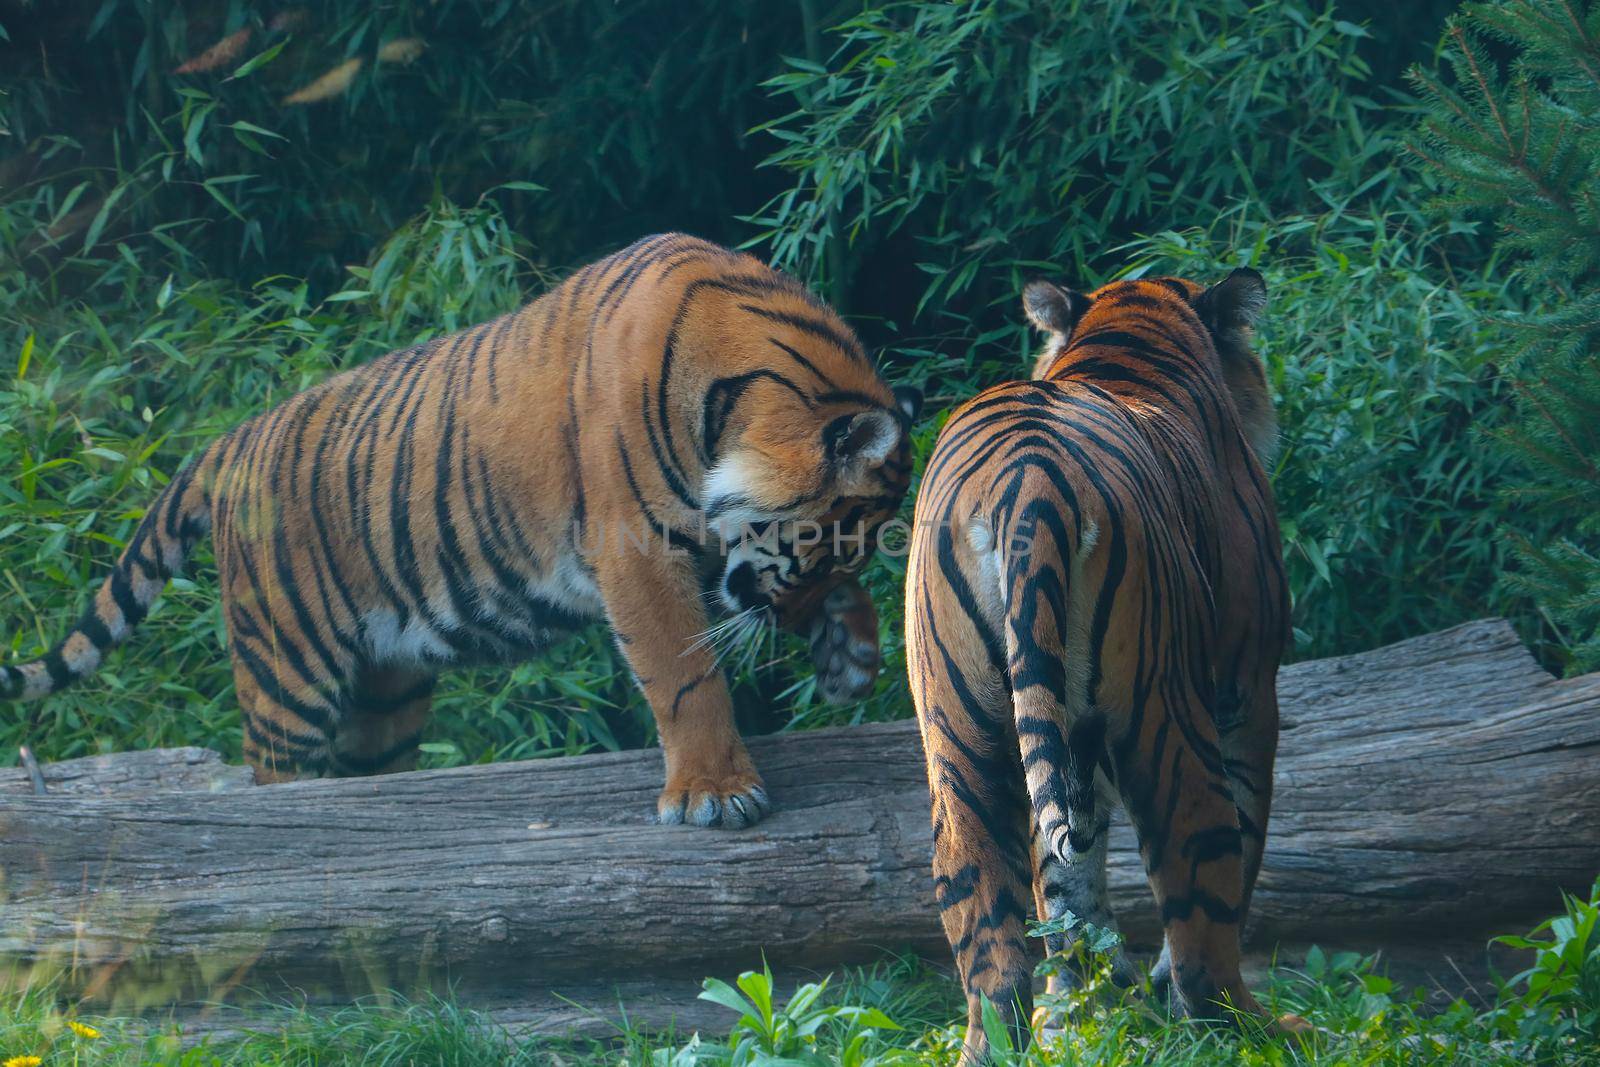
column 1165, row 754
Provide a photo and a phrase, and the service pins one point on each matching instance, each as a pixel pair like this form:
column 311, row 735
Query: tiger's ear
column 908, row 398
column 1234, row 303
column 1051, row 307
column 1228, row 310
column 864, row 439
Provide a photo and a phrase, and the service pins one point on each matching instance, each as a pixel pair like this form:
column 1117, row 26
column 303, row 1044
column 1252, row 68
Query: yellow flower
column 23, row 1061
column 83, row 1030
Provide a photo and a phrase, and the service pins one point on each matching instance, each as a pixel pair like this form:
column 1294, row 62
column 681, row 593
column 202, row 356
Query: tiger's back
column 1095, row 613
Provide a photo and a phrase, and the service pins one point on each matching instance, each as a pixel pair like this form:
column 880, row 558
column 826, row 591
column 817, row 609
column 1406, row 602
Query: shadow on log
column 1429, row 794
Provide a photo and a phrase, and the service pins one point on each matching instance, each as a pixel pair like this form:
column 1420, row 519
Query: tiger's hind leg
column 382, row 726
column 1250, row 750
column 292, row 660
column 1188, row 828
column 285, row 738
column 981, row 865
column 1247, row 721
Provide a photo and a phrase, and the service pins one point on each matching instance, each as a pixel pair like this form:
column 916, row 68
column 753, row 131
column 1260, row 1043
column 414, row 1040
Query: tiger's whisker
column 721, row 633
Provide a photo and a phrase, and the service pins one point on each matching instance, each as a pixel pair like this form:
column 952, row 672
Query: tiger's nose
column 742, row 587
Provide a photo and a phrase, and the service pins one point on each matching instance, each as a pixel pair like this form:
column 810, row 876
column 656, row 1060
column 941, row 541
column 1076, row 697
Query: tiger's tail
column 160, row 546
column 1048, row 598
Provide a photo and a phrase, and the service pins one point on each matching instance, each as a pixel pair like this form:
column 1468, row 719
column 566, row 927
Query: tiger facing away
column 577, row 460
column 1095, row 611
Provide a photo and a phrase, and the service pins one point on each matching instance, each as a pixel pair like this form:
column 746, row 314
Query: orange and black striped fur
column 466, row 499
column 1096, row 609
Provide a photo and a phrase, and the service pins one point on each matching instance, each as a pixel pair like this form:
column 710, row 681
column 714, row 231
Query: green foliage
column 392, row 1033
column 805, row 1031
column 632, row 114
column 1087, row 968
column 995, row 142
column 1522, row 148
column 1097, row 940
column 1559, row 995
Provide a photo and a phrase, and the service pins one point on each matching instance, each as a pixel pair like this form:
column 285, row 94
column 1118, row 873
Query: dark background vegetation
column 205, row 207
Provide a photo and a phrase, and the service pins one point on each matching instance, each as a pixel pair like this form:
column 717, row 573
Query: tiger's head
column 804, row 455
column 1227, row 310
column 799, row 508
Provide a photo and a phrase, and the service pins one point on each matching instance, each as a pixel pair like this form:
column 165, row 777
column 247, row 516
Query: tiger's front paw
column 729, row 803
column 844, row 645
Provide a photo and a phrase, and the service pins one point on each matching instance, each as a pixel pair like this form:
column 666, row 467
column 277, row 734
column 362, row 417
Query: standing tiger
column 594, row 455
column 1096, row 608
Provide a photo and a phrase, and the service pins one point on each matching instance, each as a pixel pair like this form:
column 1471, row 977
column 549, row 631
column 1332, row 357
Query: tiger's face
column 783, row 555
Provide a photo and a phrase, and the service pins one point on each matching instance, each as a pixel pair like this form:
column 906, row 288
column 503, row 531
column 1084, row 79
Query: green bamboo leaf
column 255, row 63
column 91, row 237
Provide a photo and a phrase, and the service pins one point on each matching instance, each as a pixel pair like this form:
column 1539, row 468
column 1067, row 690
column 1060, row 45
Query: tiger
column 675, row 431
column 1096, row 607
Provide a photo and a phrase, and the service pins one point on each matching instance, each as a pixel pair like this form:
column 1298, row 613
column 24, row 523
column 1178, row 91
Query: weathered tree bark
column 1429, row 793
column 161, row 770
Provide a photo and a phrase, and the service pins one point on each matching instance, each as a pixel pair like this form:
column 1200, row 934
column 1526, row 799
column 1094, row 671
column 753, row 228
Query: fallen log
column 160, row 770
column 1429, row 793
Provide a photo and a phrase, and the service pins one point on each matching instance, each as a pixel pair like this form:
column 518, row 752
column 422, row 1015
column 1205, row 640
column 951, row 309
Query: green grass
column 902, row 1012
column 895, row 1013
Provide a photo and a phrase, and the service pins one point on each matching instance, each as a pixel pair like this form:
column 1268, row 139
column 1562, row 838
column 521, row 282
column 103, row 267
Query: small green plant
column 1087, row 936
column 1085, row 967
column 1559, row 995
column 805, row 1031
